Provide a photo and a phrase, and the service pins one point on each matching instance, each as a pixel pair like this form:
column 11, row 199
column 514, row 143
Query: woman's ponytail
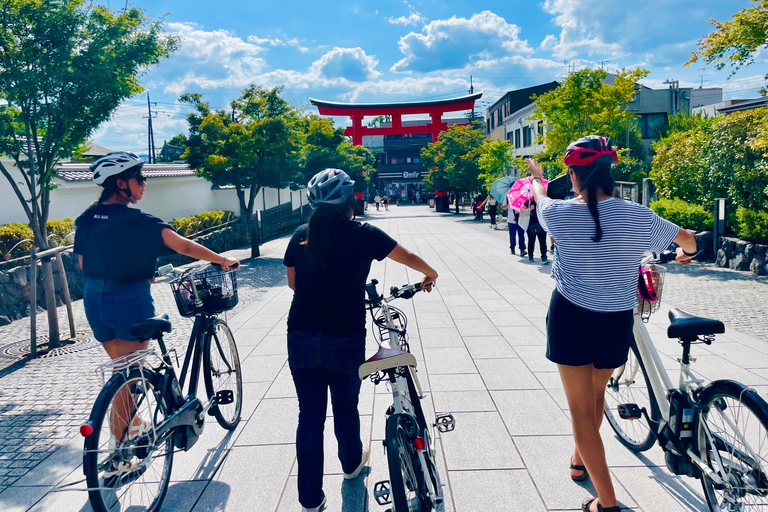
column 592, row 178
column 106, row 193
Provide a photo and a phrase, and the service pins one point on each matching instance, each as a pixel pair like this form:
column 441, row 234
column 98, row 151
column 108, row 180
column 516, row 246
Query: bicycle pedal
column 224, row 397
column 445, row 422
column 382, row 492
column 630, row 412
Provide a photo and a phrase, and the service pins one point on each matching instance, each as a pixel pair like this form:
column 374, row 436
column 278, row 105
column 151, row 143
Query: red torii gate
column 357, row 111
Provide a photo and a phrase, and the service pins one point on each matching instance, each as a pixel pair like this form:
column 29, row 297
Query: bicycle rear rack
column 139, row 359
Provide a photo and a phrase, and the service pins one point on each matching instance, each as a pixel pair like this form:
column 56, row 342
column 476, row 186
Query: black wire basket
column 216, row 291
column 645, row 307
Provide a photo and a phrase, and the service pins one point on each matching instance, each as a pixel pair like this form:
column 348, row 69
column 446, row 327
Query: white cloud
column 580, row 24
column 412, row 19
column 351, row 64
column 457, row 42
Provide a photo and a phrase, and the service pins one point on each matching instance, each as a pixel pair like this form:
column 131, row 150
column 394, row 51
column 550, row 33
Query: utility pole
column 471, row 91
column 150, row 134
column 603, row 63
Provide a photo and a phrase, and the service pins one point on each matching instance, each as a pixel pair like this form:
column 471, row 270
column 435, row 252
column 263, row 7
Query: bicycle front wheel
column 732, row 440
column 223, row 377
column 406, row 477
column 127, row 465
column 629, row 385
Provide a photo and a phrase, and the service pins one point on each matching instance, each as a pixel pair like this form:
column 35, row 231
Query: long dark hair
column 592, row 178
column 322, row 223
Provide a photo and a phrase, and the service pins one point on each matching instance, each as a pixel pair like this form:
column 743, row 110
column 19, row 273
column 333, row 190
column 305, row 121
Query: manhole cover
column 22, row 349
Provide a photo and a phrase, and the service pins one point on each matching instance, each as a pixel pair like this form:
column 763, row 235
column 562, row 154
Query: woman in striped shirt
column 600, row 242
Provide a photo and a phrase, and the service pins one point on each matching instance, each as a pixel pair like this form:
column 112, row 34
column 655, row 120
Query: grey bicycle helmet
column 113, row 164
column 330, row 186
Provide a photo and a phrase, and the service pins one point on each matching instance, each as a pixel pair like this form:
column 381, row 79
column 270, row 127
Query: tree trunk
column 50, row 305
column 458, row 198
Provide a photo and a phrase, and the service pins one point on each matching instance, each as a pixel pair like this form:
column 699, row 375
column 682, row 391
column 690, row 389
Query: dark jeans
column 319, row 362
column 542, row 236
column 516, row 231
column 492, row 213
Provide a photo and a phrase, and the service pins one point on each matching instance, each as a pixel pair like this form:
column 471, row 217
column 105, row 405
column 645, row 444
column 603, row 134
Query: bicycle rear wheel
column 405, row 473
column 629, row 385
column 222, row 374
column 126, row 466
column 732, row 440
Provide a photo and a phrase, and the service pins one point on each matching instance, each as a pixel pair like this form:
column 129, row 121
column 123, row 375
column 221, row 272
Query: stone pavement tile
column 440, row 337
column 458, row 299
column 463, row 401
column 506, row 374
column 489, row 347
column 739, row 354
column 654, row 488
column 619, row 455
column 535, row 358
column 448, row 360
column 273, row 422
column 476, row 327
column 507, row 318
column 466, row 311
column 427, row 306
column 531, row 413
column 249, row 337
column 272, row 345
column 547, row 459
column 262, row 368
column 484, row 294
column 282, row 386
column 533, row 309
column 260, row 321
column 493, row 305
column 253, row 392
column 554, row 386
column 435, row 320
column 341, row 495
column 518, row 298
column 716, row 367
column 20, row 499
column 56, row 466
column 456, row 382
column 497, row 490
column 203, row 459
column 331, row 464
column 251, row 478
column 524, row 335
column 480, row 441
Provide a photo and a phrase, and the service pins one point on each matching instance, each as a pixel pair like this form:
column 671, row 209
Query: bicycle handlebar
column 654, row 257
column 406, row 291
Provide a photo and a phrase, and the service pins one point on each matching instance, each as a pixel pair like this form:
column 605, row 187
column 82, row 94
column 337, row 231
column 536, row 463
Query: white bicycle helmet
column 113, row 164
column 330, row 186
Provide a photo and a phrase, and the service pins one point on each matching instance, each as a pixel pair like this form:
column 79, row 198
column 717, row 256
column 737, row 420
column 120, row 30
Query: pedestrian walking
column 516, row 230
column 600, row 242
column 386, row 202
column 479, row 206
column 535, row 232
column 117, row 247
column 491, row 202
column 327, row 262
column 377, row 200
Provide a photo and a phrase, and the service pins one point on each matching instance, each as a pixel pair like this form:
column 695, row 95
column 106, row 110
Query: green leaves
column 454, row 159
column 495, row 159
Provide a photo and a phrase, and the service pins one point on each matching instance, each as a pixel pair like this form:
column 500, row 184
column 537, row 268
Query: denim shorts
column 111, row 308
column 578, row 336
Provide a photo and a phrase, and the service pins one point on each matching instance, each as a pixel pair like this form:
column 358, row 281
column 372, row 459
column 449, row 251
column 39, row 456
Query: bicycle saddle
column 684, row 325
column 151, row 327
column 384, row 359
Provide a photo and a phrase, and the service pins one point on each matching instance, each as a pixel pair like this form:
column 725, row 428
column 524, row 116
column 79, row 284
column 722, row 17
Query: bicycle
column 414, row 482
column 716, row 432
column 141, row 415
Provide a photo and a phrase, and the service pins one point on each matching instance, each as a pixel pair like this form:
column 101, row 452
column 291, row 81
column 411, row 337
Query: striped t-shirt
column 602, row 276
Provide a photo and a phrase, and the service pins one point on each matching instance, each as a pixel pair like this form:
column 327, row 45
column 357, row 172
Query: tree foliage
column 454, row 160
column 495, row 160
column 721, row 157
column 734, row 43
column 584, row 104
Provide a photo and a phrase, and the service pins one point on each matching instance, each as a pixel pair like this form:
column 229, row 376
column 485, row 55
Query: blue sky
column 412, row 50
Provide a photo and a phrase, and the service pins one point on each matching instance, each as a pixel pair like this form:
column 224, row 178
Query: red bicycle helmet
column 645, row 287
column 590, row 149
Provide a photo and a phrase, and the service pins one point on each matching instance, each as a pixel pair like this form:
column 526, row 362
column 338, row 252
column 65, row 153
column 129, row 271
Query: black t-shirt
column 331, row 299
column 119, row 243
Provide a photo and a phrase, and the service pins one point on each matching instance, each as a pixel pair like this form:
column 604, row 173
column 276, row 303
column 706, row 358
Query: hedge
column 751, row 225
column 188, row 226
column 13, row 236
column 684, row 214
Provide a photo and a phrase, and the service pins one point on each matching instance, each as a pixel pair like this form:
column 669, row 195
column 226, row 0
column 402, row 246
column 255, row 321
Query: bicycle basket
column 650, row 284
column 216, row 289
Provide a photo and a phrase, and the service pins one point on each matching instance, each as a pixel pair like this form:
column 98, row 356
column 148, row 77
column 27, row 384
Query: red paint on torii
column 357, row 111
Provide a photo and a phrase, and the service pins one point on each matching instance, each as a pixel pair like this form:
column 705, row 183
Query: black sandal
column 588, row 502
column 581, row 477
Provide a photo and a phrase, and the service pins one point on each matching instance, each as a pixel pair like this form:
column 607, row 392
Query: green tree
column 254, row 145
column 495, row 160
column 584, row 104
column 454, row 160
column 735, row 42
column 65, row 66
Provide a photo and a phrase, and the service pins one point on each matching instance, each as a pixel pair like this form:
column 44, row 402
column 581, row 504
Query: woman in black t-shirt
column 118, row 247
column 327, row 262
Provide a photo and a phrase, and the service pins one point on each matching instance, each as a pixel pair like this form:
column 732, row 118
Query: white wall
column 167, row 198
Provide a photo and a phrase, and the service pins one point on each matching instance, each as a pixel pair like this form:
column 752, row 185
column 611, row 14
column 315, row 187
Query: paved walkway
column 479, row 339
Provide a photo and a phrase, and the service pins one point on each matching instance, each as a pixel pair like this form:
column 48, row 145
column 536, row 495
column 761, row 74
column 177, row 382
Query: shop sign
column 414, row 174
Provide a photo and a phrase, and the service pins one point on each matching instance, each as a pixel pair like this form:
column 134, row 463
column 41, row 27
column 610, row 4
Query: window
column 653, row 126
column 517, row 138
column 488, row 126
column 498, row 117
column 408, row 160
column 393, row 161
column 492, row 127
column 527, row 131
column 540, row 128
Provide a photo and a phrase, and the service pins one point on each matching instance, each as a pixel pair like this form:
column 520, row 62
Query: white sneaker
column 318, row 508
column 356, row 472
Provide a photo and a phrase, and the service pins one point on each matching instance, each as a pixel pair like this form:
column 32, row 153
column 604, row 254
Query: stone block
column 20, row 276
column 739, row 262
column 757, row 265
column 722, row 259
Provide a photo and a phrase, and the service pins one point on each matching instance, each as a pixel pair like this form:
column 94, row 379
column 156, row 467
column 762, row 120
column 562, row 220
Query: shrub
column 61, row 231
column 188, row 226
column 751, row 225
column 11, row 237
column 684, row 214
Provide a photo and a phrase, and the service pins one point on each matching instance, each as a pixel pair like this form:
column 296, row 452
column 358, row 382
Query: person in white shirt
column 516, row 230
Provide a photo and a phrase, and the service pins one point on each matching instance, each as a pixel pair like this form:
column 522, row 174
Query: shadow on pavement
column 354, row 494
